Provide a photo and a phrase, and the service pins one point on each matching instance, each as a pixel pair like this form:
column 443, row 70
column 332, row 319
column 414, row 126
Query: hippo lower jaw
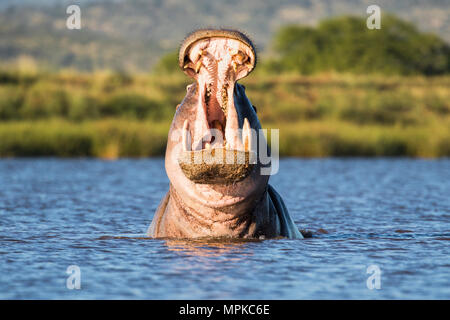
column 217, row 188
column 217, row 166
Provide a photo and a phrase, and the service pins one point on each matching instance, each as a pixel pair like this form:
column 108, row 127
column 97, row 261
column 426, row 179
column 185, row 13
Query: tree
column 345, row 44
column 168, row 63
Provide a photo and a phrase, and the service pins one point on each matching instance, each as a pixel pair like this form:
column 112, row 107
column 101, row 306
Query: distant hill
column 132, row 35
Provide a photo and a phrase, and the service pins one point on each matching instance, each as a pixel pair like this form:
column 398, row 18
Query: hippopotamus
column 218, row 185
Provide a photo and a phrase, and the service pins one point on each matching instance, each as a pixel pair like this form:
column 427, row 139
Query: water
column 394, row 214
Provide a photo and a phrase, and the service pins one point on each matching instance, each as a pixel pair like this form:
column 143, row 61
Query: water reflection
column 232, row 249
column 202, row 247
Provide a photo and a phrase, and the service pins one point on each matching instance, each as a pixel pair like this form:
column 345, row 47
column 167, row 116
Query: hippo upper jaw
column 216, row 64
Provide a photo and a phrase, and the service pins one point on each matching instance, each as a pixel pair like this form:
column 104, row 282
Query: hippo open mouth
column 218, row 143
column 216, row 163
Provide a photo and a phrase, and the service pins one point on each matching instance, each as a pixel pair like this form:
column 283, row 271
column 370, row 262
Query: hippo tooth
column 198, row 65
column 246, row 135
column 186, row 137
column 234, row 64
column 233, row 51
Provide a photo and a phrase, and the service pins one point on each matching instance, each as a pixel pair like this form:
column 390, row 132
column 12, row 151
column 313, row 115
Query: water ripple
column 391, row 213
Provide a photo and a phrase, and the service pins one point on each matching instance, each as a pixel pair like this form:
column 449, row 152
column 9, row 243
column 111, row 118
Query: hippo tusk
column 187, row 144
column 198, row 65
column 247, row 136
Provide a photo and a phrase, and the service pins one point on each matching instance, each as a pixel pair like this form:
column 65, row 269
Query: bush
column 346, row 44
column 11, row 99
column 168, row 64
column 131, row 105
column 43, row 102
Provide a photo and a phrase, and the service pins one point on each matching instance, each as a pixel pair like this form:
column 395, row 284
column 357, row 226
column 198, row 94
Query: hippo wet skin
column 216, row 121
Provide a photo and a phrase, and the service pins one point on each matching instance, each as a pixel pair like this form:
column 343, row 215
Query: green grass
column 116, row 115
column 110, row 138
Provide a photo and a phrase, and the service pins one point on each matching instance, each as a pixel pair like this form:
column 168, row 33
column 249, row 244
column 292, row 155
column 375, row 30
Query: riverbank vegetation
column 114, row 115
